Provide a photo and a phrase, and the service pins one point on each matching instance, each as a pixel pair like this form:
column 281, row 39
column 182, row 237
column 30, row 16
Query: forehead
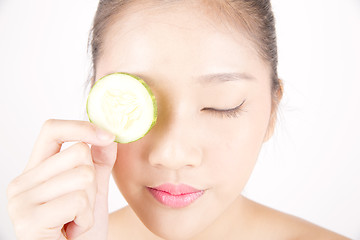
column 179, row 37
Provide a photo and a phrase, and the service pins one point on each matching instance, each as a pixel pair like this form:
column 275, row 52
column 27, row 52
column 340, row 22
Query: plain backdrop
column 310, row 168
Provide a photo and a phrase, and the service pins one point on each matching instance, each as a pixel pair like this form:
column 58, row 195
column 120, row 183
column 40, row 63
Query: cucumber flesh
column 122, row 104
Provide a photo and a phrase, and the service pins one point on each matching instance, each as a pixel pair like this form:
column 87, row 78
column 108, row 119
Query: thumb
column 104, row 158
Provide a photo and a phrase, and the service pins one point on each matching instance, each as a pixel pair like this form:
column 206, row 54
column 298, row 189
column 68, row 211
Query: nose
column 174, row 149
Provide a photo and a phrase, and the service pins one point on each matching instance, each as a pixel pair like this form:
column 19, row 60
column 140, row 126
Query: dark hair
column 255, row 17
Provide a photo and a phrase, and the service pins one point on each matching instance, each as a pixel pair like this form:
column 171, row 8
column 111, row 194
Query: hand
column 64, row 192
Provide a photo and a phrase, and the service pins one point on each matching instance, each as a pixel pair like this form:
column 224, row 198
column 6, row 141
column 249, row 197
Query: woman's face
column 197, row 71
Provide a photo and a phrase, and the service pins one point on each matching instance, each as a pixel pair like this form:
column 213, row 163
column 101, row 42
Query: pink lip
column 175, row 196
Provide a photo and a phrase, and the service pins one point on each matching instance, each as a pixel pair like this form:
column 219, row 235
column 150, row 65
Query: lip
column 175, row 196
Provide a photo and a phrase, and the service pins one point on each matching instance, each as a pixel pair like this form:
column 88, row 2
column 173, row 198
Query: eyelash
column 229, row 113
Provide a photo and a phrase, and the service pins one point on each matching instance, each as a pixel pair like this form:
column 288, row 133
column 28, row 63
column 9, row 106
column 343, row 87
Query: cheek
column 127, row 167
column 231, row 162
column 232, row 150
column 123, row 161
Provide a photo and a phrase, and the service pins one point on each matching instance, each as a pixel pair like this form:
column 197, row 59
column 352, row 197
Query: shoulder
column 285, row 226
column 300, row 229
column 113, row 230
column 124, row 224
column 121, row 224
column 117, row 219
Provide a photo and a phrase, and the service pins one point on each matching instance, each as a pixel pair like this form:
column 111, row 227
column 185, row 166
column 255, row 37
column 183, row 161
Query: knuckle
column 49, row 124
column 81, row 199
column 20, row 229
column 12, row 207
column 12, row 187
column 87, row 174
column 17, row 208
column 83, row 150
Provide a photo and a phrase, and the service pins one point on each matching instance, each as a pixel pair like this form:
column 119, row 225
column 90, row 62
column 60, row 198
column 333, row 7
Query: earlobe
column 274, row 108
column 271, row 126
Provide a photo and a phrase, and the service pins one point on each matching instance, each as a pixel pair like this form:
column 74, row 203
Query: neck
column 232, row 224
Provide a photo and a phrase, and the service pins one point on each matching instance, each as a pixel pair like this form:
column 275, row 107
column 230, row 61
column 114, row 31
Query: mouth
column 175, row 196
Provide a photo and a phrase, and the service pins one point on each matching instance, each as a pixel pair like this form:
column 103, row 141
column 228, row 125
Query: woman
column 212, row 66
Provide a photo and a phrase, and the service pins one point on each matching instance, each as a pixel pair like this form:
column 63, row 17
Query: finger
column 55, row 132
column 73, row 206
column 80, row 178
column 104, row 159
column 74, row 156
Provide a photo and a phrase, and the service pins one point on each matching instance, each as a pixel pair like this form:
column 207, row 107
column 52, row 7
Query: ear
column 274, row 108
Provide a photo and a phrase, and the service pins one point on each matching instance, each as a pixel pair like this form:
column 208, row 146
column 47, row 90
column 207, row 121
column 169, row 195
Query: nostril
column 175, row 156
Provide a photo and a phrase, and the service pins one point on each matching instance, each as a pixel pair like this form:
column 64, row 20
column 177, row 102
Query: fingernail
column 104, row 135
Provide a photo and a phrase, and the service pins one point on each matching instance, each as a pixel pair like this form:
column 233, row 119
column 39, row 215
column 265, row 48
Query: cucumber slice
column 124, row 105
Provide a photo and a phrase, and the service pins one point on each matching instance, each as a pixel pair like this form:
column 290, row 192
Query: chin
column 174, row 232
column 177, row 224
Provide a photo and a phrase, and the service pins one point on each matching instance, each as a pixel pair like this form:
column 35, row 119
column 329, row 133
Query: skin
column 65, row 192
column 188, row 145
column 170, row 49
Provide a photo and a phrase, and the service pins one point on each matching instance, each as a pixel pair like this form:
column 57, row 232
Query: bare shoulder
column 121, row 224
column 299, row 229
column 289, row 227
column 117, row 223
column 124, row 224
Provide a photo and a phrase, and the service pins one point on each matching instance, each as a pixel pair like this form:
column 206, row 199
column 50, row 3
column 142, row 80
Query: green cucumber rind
column 148, row 90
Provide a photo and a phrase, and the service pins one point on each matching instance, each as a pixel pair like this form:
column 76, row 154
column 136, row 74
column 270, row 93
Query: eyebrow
column 210, row 78
column 225, row 77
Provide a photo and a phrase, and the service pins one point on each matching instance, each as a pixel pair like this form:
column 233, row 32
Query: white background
column 310, row 168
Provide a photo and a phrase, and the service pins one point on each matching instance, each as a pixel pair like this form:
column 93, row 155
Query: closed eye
column 230, row 113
